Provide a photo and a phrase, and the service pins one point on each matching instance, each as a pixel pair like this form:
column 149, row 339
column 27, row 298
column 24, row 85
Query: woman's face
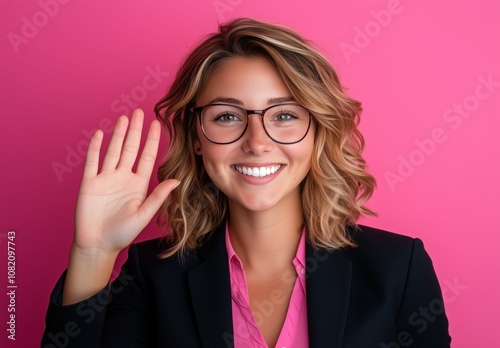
column 253, row 83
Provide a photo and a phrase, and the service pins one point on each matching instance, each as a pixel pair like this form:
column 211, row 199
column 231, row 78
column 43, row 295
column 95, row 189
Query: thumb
column 151, row 205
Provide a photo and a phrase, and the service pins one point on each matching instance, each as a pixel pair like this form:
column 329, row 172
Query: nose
column 255, row 140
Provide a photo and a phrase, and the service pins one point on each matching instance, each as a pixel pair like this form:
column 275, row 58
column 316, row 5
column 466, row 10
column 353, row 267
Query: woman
column 266, row 183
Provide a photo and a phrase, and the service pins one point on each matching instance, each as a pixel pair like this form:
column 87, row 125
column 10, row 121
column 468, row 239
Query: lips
column 258, row 172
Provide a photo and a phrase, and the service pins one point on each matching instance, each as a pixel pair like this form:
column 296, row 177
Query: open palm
column 113, row 206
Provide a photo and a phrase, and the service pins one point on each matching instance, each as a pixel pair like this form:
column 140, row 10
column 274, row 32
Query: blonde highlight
column 336, row 189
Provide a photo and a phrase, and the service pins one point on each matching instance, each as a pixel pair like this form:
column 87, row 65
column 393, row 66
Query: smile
column 258, row 172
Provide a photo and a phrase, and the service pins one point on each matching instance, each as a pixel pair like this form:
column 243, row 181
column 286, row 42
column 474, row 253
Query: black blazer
column 383, row 293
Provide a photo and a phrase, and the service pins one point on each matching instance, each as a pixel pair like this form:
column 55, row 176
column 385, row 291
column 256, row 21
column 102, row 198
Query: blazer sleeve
column 117, row 316
column 74, row 326
column 421, row 320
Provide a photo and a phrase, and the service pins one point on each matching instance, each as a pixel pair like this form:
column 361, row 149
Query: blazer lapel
column 210, row 289
column 328, row 285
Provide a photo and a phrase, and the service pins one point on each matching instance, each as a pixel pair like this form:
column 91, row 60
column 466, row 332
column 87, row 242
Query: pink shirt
column 294, row 332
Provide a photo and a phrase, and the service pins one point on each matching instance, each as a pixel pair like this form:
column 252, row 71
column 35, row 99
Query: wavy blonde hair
column 337, row 187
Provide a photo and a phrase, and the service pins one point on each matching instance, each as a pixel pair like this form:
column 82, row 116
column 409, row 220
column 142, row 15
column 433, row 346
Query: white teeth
column 258, row 172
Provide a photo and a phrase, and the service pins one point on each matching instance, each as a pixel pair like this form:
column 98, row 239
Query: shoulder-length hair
column 335, row 190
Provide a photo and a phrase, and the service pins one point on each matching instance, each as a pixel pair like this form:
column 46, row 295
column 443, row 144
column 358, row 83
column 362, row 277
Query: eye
column 285, row 117
column 227, row 117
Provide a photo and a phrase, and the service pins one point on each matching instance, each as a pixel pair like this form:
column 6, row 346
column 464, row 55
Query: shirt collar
column 300, row 256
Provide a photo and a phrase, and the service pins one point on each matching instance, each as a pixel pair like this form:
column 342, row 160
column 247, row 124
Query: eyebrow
column 279, row 100
column 270, row 101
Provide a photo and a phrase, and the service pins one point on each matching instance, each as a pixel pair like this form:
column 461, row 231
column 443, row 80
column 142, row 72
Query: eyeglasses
column 226, row 123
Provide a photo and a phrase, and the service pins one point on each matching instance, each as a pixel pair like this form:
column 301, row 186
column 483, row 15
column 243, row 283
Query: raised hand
column 113, row 206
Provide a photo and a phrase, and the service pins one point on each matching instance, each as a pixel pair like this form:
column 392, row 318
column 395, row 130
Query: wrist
column 92, row 255
column 89, row 271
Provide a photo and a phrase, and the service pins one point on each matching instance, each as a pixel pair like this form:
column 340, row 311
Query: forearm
column 88, row 273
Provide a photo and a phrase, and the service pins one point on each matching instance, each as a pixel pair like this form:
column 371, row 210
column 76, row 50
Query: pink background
column 66, row 65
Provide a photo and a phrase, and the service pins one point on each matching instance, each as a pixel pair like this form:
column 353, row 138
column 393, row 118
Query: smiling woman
column 254, row 83
column 261, row 190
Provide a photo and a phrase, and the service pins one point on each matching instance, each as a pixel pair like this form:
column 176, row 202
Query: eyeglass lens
column 283, row 123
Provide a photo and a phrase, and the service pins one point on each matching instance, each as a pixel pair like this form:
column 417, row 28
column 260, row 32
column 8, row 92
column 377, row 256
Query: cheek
column 214, row 158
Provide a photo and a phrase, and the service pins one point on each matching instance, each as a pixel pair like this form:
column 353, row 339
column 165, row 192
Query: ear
column 197, row 147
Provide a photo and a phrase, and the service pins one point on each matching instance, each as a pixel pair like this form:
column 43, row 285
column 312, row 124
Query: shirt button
column 303, row 271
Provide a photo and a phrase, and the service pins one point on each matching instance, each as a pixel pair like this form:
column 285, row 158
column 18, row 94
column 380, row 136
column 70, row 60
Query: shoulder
column 149, row 253
column 391, row 263
column 151, row 246
column 370, row 240
column 147, row 256
column 386, row 251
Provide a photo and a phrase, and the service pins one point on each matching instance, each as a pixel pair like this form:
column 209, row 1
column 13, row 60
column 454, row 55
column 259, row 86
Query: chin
column 256, row 205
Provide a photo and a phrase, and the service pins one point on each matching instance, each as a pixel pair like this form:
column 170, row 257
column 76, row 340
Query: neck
column 266, row 241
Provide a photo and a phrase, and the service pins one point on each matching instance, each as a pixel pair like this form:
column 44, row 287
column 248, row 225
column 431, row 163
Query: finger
column 133, row 140
column 148, row 156
column 115, row 145
column 151, row 205
column 92, row 159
